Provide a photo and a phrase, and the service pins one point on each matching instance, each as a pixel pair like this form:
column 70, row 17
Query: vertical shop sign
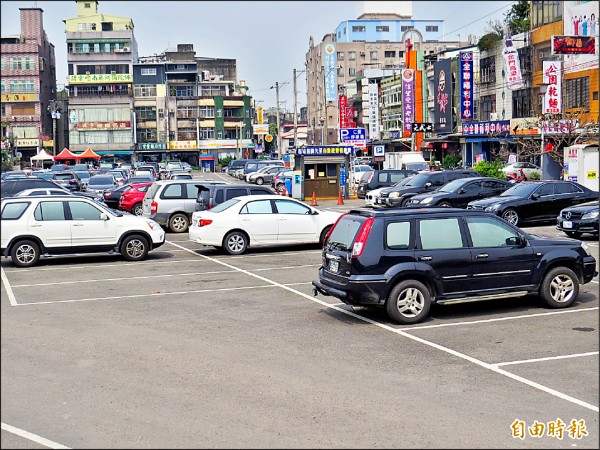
column 442, row 80
column 408, row 98
column 466, row 85
column 512, row 64
column 552, row 76
column 373, row 110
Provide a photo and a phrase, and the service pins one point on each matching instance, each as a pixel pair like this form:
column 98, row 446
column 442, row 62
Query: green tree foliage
column 490, row 169
column 518, row 18
column 451, row 161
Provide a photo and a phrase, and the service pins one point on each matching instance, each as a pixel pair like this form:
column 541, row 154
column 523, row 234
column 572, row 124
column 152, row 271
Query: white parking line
column 9, row 292
column 501, row 319
column 32, row 437
column 476, row 361
column 549, row 358
column 304, row 252
column 86, row 267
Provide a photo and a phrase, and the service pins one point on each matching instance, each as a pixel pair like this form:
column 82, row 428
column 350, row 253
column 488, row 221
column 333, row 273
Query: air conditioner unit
column 362, row 53
column 125, row 49
column 493, row 116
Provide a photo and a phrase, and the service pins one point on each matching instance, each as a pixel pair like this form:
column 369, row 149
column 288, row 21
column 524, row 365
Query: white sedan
column 260, row 221
column 527, row 168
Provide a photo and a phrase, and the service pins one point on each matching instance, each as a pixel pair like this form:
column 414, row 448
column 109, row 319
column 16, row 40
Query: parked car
column 59, row 167
column 68, row 180
column 211, row 195
column 458, row 193
column 421, row 183
column 8, row 188
column 112, row 197
column 53, row 225
column 120, row 175
column 357, row 172
column 180, row 176
column 375, row 179
column 535, row 201
column 132, row 198
column 265, row 174
column 140, row 179
column 146, row 171
column 234, row 165
column 252, row 165
column 13, row 174
column 172, row 202
column 577, row 220
column 527, row 168
column 84, row 177
column 101, row 183
column 373, row 198
column 280, row 177
column 259, row 221
column 43, row 174
column 404, row 260
column 55, row 191
column 79, row 168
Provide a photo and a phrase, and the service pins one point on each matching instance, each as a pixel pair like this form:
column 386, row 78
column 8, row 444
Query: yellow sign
column 259, row 114
column 269, row 137
column 592, row 175
column 101, row 78
column 49, row 143
column 20, row 97
column 27, row 142
column 177, row 145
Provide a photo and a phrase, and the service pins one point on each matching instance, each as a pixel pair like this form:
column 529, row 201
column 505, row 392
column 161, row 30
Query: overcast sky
column 268, row 39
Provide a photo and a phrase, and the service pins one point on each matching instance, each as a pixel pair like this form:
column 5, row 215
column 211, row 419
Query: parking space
column 236, row 351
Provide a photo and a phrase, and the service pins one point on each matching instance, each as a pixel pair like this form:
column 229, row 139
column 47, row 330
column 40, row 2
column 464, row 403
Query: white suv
column 55, row 225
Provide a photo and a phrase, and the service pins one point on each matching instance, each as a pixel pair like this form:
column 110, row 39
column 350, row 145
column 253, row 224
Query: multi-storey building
column 101, row 50
column 28, row 84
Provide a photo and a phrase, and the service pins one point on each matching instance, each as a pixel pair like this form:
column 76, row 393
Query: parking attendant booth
column 324, row 169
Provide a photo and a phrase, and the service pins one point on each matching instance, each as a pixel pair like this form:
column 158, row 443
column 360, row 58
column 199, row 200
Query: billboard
column 573, row 45
column 442, row 85
column 330, row 71
column 580, row 18
column 466, row 85
column 512, row 63
column 552, row 76
column 373, row 110
column 408, row 98
column 353, row 136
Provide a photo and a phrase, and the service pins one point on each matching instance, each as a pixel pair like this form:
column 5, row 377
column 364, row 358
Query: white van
column 405, row 161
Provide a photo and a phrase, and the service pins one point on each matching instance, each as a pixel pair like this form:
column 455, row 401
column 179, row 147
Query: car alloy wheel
column 511, row 216
column 235, row 243
column 137, row 209
column 560, row 287
column 408, row 302
column 25, row 254
column 259, row 181
column 134, row 248
column 179, row 223
column 445, row 205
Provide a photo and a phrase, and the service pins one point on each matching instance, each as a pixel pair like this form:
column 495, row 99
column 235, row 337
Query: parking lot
column 196, row 348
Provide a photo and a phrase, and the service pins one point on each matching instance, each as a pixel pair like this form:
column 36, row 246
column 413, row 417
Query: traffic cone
column 314, row 200
column 340, row 199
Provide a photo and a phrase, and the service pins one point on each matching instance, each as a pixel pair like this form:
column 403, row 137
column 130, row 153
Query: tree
column 518, row 18
column 494, row 33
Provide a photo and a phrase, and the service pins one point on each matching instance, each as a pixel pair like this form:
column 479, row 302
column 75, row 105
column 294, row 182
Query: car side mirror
column 535, row 196
column 515, row 241
column 427, row 185
column 315, row 212
column 462, row 191
column 103, row 216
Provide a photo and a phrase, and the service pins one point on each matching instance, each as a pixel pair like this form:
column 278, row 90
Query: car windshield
column 520, row 190
column 453, row 186
column 403, row 182
column 345, row 231
column 418, row 180
column 225, row 205
column 85, row 174
column 100, row 180
column 417, row 166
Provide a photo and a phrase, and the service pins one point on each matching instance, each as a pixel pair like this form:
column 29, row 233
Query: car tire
column 138, row 209
column 404, row 202
column 260, row 181
column 134, row 248
column 560, row 287
column 445, row 205
column 511, row 216
column 235, row 243
column 408, row 302
column 573, row 234
column 179, row 223
column 323, row 235
column 25, row 253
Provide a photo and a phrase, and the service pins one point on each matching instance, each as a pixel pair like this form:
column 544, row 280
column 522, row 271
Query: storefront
column 115, row 156
column 321, row 170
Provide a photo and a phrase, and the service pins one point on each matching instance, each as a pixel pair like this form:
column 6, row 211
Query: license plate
column 334, row 266
column 567, row 224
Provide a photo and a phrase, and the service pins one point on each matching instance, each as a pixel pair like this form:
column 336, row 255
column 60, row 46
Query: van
column 171, row 203
column 405, row 161
column 253, row 165
column 211, row 195
column 235, row 164
column 381, row 178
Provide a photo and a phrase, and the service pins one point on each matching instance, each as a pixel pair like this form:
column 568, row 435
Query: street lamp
column 54, row 111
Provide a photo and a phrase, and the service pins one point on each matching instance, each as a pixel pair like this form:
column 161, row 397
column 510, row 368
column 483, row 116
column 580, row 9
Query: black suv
column 376, row 179
column 8, row 188
column 210, row 195
column 421, row 183
column 405, row 259
column 458, row 193
column 68, row 180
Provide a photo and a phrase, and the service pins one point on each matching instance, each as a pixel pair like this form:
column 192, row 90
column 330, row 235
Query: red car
column 131, row 199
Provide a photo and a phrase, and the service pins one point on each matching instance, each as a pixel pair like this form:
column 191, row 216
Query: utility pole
column 295, row 114
column 278, row 120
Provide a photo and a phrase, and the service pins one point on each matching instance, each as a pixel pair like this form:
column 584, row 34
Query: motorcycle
column 514, row 178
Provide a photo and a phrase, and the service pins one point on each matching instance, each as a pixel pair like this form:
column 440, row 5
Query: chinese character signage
column 152, row 146
column 330, row 72
column 20, row 97
column 353, row 136
column 512, row 64
column 343, row 104
column 101, row 78
column 466, row 85
column 259, row 115
column 552, row 76
column 182, row 145
column 580, row 19
column 103, row 125
column 495, row 127
column 324, row 150
column 261, row 129
column 422, row 127
column 573, row 45
column 27, row 142
column 408, row 98
column 373, row 110
column 442, row 85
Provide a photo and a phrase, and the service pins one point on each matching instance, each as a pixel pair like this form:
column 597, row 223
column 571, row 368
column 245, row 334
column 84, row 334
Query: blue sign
column 324, row 150
column 496, row 128
column 395, row 134
column 330, row 72
column 354, row 136
column 342, row 177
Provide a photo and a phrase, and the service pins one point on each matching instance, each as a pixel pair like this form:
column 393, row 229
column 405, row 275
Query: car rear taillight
column 204, row 222
column 361, row 240
column 106, row 194
column 331, row 230
column 153, row 207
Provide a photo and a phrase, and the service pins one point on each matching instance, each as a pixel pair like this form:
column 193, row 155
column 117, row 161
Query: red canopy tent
column 66, row 154
column 88, row 154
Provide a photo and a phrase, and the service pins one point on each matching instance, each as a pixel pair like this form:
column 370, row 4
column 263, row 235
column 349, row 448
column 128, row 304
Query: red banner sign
column 103, row 125
column 573, row 45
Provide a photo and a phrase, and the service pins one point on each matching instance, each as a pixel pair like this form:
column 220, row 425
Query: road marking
column 500, row 319
column 83, row 267
column 9, row 292
column 549, row 358
column 32, row 437
column 476, row 361
column 304, row 252
column 594, row 281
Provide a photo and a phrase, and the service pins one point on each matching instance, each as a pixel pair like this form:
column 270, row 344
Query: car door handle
column 425, row 258
column 78, row 224
column 245, row 220
column 482, row 255
column 282, row 218
column 35, row 225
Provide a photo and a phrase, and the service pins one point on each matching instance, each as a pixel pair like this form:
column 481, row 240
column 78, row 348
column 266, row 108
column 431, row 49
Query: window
column 289, row 207
column 148, row 71
column 49, row 211
column 405, row 27
column 173, row 191
column 431, row 28
column 398, row 235
column 487, row 107
column 206, row 111
column 565, row 188
column 21, row 86
column 340, row 56
column 187, row 112
column 86, row 27
column 145, row 113
column 578, row 92
column 146, row 135
column 352, row 56
column 84, row 211
column 191, row 191
column 546, row 11
column 207, row 133
column 14, row 211
column 233, row 193
column 389, row 54
column 373, row 54
column 144, row 90
column 25, row 109
column 490, row 232
column 351, row 71
column 340, row 72
column 382, row 28
column 521, row 101
column 257, row 207
column 438, row 234
column 21, row 63
column 359, row 28
column 487, row 70
column 87, row 5
column 437, row 179
column 545, row 189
